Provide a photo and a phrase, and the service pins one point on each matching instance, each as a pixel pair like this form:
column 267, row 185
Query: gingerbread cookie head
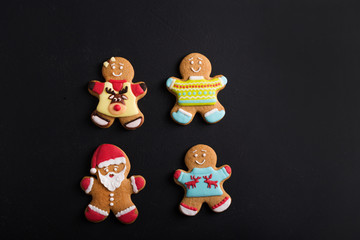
column 200, row 156
column 195, row 64
column 111, row 165
column 118, row 68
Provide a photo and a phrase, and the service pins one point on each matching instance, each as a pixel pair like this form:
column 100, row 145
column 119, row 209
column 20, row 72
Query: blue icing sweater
column 203, row 182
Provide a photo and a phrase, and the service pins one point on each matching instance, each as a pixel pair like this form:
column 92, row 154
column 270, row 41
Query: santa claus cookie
column 117, row 96
column 196, row 91
column 203, row 182
column 111, row 189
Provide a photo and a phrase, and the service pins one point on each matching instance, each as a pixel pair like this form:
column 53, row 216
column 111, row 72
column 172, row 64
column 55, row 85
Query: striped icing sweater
column 195, row 92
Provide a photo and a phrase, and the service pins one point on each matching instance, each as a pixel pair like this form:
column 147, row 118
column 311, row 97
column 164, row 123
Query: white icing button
column 111, row 199
column 111, row 194
column 111, row 204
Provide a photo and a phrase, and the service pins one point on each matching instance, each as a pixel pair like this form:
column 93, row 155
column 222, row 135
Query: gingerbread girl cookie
column 196, row 91
column 117, row 96
column 111, row 190
column 203, row 182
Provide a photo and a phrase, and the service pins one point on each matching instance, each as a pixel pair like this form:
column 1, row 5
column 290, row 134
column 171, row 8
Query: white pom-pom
column 93, row 170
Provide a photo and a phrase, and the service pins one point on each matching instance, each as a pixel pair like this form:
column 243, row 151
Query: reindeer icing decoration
column 203, row 182
column 117, row 96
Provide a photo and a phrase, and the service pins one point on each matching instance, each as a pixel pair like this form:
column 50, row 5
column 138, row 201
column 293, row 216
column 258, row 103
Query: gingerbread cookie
column 117, row 96
column 203, row 182
column 111, row 189
column 196, row 91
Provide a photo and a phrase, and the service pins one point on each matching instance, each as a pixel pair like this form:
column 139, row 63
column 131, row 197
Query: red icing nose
column 117, row 107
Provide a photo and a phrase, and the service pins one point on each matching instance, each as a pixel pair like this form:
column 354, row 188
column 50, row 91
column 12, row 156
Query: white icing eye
column 204, row 154
column 192, row 62
column 113, row 67
column 121, row 67
column 115, row 169
column 107, row 170
column 200, row 62
column 196, row 155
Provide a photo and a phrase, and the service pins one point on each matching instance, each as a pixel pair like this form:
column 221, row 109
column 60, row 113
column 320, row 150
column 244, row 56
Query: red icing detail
column 105, row 152
column 117, row 84
column 210, row 182
column 117, row 107
column 228, row 169
column 192, row 183
column 188, row 207
column 128, row 217
column 220, row 203
column 139, row 182
column 85, row 182
column 93, row 216
column 177, row 174
column 136, row 89
column 98, row 87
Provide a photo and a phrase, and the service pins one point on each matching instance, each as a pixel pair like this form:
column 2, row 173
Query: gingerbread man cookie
column 196, row 91
column 203, row 182
column 111, row 190
column 117, row 96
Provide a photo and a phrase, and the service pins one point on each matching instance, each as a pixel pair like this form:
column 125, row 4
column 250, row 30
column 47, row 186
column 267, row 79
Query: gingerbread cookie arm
column 87, row 184
column 137, row 183
column 225, row 171
column 95, row 87
column 170, row 83
column 139, row 89
column 223, row 81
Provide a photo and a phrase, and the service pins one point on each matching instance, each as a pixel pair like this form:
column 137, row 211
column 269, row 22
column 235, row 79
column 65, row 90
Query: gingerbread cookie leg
column 132, row 122
column 219, row 203
column 125, row 211
column 183, row 114
column 101, row 120
column 190, row 206
column 96, row 212
column 212, row 114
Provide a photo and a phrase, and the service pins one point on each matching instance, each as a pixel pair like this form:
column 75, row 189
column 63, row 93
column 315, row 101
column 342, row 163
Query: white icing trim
column 185, row 112
column 135, row 189
column 210, row 112
column 187, row 211
column 172, row 83
column 196, row 77
column 134, row 123
column 125, row 211
column 223, row 207
column 115, row 161
column 98, row 210
column 90, row 186
column 99, row 120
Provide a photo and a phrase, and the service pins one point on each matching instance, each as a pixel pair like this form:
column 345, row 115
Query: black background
column 291, row 132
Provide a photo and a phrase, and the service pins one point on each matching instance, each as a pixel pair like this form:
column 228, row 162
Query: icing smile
column 116, row 75
column 200, row 163
column 111, row 175
column 192, row 69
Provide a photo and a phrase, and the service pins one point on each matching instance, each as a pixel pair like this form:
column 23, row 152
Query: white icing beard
column 112, row 183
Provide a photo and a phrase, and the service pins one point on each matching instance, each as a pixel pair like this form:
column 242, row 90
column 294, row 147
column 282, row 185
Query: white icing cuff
column 210, row 112
column 115, row 161
column 90, row 186
column 187, row 212
column 223, row 80
column 123, row 212
column 99, row 121
column 185, row 112
column 98, row 210
column 133, row 184
column 223, row 207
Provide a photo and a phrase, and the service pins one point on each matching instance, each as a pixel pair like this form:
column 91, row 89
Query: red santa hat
column 105, row 155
